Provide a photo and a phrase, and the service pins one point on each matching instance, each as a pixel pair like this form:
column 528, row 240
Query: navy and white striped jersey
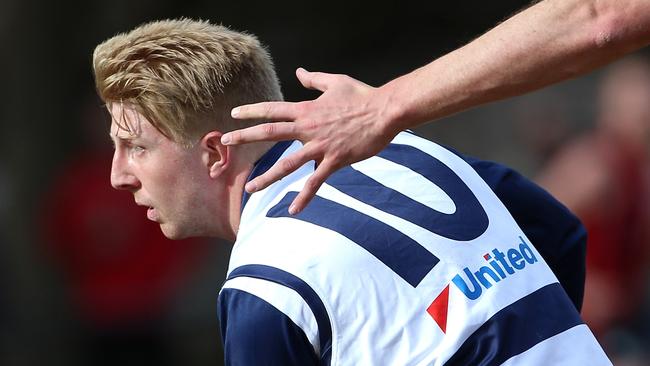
column 406, row 258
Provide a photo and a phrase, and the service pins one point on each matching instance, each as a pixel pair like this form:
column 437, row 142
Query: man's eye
column 136, row 149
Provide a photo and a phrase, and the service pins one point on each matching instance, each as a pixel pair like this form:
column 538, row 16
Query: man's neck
column 246, row 159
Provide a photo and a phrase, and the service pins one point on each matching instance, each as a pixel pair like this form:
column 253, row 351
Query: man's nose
column 121, row 176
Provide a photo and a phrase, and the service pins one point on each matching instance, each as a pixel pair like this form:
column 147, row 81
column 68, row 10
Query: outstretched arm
column 551, row 41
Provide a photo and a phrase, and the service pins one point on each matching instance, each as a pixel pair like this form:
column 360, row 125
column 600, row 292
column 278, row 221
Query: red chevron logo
column 438, row 309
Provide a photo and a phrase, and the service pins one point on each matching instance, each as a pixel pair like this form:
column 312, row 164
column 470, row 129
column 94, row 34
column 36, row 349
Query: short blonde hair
column 185, row 76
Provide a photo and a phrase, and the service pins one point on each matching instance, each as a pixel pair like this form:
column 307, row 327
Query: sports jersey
column 405, row 258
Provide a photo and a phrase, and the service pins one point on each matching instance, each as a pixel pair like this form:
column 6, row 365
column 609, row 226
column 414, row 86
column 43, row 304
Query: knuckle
column 331, row 167
column 347, row 78
column 333, row 164
column 310, row 125
column 335, row 154
column 303, row 107
column 292, row 128
column 319, row 149
column 268, row 110
column 288, row 165
column 268, row 128
column 312, row 185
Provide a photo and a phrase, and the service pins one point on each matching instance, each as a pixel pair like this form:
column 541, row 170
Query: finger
column 280, row 170
column 324, row 170
column 277, row 131
column 314, row 80
column 272, row 111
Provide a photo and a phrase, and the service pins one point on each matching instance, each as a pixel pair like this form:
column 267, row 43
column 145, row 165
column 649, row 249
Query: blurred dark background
column 86, row 280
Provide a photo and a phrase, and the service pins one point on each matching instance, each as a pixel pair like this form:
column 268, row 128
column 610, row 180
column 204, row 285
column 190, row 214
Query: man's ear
column 214, row 154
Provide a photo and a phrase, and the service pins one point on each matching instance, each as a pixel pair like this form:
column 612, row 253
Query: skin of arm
column 551, row 41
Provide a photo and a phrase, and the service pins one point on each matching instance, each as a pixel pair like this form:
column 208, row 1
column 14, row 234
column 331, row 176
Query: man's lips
column 152, row 214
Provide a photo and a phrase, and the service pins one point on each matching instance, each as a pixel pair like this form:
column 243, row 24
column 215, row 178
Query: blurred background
column 85, row 279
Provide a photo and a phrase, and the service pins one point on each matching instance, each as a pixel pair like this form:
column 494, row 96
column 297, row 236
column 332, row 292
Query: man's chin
column 178, row 232
column 172, row 232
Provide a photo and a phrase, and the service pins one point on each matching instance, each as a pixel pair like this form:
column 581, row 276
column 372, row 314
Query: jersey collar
column 265, row 163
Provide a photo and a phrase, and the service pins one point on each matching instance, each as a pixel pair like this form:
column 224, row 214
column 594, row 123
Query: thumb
column 313, row 80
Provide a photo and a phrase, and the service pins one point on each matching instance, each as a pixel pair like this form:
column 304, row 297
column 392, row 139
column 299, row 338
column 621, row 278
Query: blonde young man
column 415, row 256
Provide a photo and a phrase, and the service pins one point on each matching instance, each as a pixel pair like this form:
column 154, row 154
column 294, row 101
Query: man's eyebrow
column 115, row 138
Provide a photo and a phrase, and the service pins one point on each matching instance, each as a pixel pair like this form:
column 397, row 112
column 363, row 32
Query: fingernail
column 251, row 187
column 293, row 210
column 235, row 112
column 225, row 139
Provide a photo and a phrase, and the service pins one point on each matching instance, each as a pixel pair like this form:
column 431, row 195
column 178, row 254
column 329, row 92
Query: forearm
column 551, row 41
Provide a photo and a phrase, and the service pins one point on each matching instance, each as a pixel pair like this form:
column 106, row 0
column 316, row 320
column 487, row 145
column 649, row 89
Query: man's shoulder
column 271, row 312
